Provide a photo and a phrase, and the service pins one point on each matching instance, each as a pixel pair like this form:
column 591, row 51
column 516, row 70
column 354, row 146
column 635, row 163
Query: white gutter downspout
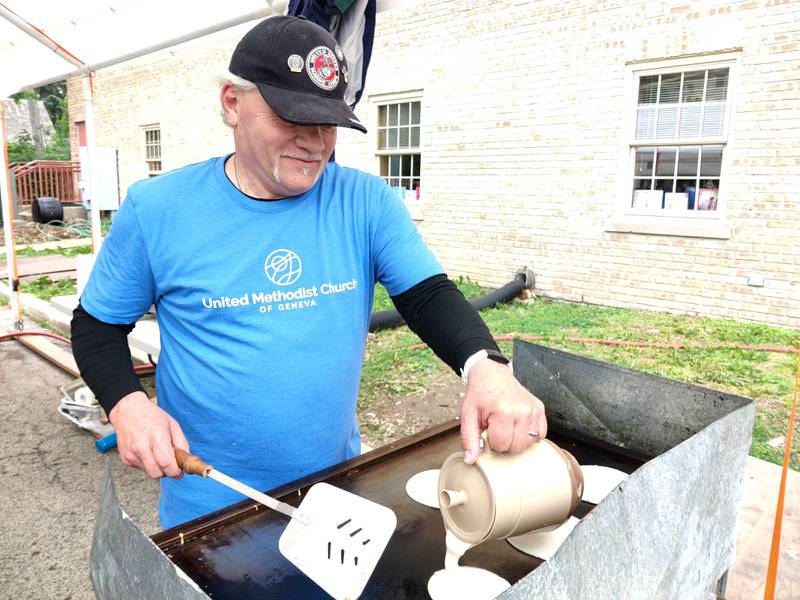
column 8, row 224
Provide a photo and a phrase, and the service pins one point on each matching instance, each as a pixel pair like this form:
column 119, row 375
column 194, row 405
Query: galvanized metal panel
column 669, row 530
column 645, row 413
column 125, row 563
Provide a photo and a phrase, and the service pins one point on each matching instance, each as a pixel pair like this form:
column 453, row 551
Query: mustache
column 302, row 156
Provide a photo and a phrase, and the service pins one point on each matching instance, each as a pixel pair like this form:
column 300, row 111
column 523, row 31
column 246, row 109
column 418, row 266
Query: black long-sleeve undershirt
column 103, row 358
column 434, row 309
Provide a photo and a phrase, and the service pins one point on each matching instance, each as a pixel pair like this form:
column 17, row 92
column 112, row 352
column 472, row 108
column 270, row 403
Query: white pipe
column 8, row 222
column 88, row 178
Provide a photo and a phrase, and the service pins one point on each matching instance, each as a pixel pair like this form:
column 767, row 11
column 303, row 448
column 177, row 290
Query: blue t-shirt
column 263, row 309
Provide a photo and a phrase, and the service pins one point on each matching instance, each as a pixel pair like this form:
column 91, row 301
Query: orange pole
column 774, row 553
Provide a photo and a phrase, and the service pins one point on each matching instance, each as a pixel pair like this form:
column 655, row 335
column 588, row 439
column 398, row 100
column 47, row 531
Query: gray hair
column 241, row 85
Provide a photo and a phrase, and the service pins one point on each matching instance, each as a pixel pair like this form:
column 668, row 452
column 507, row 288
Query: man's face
column 278, row 158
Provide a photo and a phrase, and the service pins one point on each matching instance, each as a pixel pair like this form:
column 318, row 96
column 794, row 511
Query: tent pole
column 39, row 35
column 8, row 223
column 94, row 203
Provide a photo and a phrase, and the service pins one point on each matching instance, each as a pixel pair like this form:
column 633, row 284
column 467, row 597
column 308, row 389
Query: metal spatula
column 335, row 537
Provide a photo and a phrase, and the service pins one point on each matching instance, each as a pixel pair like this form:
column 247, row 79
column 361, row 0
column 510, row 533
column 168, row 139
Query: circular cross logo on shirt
column 283, row 267
column 323, row 68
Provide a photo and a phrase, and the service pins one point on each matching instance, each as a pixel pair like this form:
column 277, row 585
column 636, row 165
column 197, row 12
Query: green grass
column 45, row 288
column 68, row 252
column 392, row 369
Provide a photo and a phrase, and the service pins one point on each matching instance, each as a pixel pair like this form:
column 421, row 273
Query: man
column 262, row 266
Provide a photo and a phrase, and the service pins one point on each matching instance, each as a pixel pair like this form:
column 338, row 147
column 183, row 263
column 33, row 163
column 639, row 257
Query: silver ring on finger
column 533, row 433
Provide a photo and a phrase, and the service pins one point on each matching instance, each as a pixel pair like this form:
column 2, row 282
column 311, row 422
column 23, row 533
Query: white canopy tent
column 47, row 41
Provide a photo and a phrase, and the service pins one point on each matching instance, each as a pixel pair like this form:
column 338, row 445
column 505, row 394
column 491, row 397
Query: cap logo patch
column 323, row 68
column 295, row 63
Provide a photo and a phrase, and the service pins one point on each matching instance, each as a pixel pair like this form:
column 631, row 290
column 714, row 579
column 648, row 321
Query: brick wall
column 176, row 89
column 523, row 108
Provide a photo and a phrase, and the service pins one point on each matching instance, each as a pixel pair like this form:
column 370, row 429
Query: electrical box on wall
column 99, row 167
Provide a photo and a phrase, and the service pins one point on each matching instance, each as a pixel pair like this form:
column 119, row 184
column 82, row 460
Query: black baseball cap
column 299, row 69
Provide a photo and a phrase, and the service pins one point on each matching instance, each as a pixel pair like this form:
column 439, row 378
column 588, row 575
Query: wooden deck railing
column 54, row 178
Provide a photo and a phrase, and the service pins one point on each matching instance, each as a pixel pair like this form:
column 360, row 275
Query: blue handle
column 104, row 444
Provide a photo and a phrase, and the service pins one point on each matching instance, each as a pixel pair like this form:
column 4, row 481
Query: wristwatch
column 478, row 356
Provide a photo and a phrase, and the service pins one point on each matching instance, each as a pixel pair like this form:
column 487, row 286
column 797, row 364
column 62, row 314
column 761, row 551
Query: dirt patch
column 28, row 232
column 390, row 419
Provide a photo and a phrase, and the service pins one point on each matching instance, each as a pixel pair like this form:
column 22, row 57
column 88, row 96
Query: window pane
column 393, row 114
column 670, row 88
column 382, row 116
column 711, row 161
column 642, row 184
column 707, row 195
column 713, row 119
column 417, row 165
column 394, row 165
column 676, row 201
column 693, row 86
column 664, row 184
column 667, row 122
column 406, row 165
column 415, row 110
column 665, row 161
column 687, row 161
column 381, row 139
column 717, row 86
column 405, row 109
column 414, row 141
column 648, row 89
column 384, row 166
column 394, row 182
column 404, row 137
column 415, row 184
column 690, row 120
column 644, row 162
column 688, row 187
column 645, row 123
column 392, row 138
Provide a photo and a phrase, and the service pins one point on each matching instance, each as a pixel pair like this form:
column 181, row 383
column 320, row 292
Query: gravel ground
column 51, row 478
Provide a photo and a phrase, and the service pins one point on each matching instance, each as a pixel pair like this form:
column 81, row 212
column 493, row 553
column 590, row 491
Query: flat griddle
column 233, row 553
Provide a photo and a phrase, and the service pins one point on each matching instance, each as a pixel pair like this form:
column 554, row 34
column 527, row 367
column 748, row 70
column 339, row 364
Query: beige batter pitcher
column 504, row 495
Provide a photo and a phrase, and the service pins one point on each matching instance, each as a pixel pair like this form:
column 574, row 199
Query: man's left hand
column 495, row 401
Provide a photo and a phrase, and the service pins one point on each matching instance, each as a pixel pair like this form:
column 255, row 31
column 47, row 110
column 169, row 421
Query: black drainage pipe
column 524, row 279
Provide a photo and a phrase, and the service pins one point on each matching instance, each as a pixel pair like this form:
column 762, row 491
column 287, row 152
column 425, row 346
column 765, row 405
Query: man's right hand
column 147, row 436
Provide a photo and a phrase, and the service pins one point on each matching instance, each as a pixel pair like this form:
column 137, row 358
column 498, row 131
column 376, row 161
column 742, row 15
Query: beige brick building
column 631, row 154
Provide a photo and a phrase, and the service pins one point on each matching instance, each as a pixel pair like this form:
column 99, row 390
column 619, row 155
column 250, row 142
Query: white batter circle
column 545, row 544
column 599, row 482
column 461, row 583
column 424, row 488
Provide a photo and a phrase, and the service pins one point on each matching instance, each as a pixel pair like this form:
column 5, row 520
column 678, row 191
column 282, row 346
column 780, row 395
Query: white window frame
column 376, row 101
column 148, row 161
column 694, row 223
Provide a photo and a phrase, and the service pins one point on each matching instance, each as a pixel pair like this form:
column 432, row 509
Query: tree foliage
column 54, row 98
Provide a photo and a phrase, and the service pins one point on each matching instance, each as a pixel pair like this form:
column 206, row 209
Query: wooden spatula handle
column 192, row 464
